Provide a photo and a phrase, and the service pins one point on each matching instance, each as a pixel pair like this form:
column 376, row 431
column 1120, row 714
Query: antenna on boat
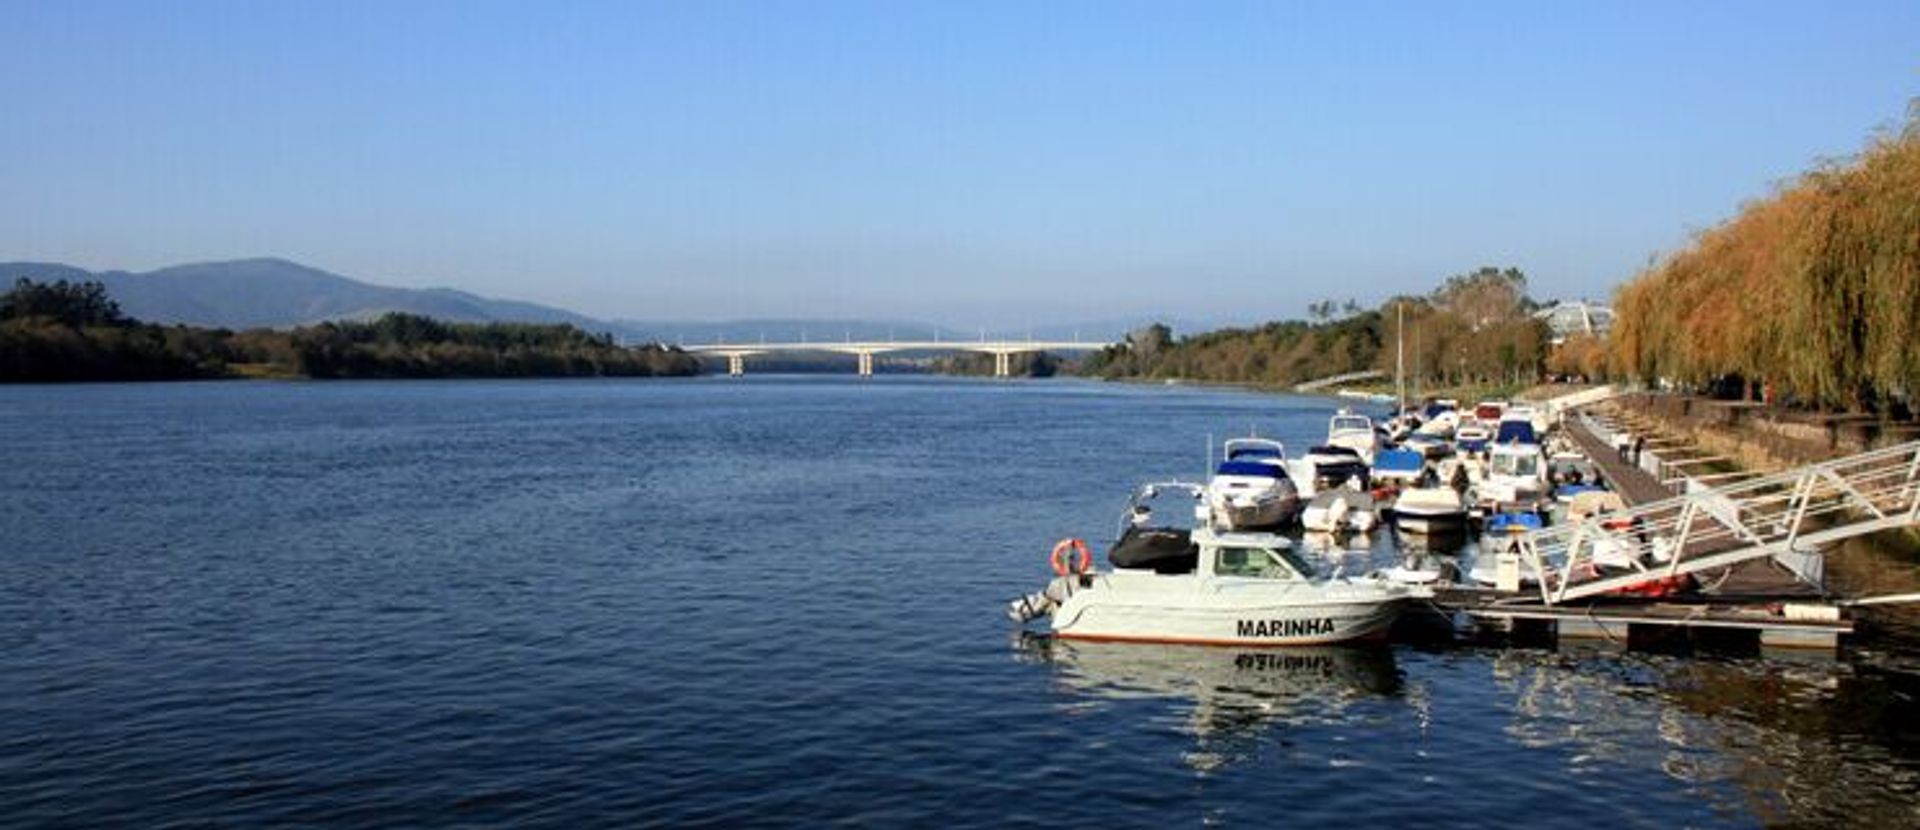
column 1208, row 470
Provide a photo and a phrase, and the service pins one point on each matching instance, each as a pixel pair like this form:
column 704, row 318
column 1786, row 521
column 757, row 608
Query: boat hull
column 1430, row 522
column 1266, row 512
column 1246, row 625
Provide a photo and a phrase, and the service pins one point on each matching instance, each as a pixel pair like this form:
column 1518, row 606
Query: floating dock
column 1750, row 545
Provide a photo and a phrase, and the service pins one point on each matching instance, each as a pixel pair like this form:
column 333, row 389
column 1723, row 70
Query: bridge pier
column 736, row 365
column 1002, row 364
column 866, row 364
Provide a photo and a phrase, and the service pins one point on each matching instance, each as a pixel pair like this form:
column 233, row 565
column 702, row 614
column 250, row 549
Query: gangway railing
column 1789, row 512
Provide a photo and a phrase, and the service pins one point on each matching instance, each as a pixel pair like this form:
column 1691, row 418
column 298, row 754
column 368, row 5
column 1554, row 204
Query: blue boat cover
column 1247, row 468
column 1407, row 461
column 1513, row 522
column 1571, row 490
column 1516, row 432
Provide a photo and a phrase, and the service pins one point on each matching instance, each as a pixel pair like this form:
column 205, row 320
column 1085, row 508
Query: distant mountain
column 268, row 292
column 252, row 293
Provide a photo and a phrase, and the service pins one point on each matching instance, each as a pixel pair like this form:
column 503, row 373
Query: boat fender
column 1082, row 561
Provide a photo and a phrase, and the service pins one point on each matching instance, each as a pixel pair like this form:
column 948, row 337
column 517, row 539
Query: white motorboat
column 1355, row 432
column 1333, row 466
column 1250, row 489
column 1399, row 468
column 1338, row 510
column 1437, row 509
column 1516, row 479
column 1246, row 589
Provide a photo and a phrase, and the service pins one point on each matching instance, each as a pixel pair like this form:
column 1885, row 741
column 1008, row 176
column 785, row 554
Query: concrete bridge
column 1002, row 350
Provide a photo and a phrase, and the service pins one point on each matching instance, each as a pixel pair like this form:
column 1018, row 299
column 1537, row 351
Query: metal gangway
column 1786, row 515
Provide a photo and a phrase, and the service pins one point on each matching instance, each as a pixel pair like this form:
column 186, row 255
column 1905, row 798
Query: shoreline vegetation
column 1476, row 331
column 1809, row 297
column 62, row 331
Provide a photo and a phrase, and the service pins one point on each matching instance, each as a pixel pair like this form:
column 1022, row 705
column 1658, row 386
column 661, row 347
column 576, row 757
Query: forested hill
column 1475, row 328
column 66, row 331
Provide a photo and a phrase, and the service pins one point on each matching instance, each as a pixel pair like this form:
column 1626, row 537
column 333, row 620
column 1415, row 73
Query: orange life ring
column 1059, row 558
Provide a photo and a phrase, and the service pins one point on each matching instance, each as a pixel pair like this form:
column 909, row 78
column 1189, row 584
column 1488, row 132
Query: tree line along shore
column 1808, row 298
column 63, row 331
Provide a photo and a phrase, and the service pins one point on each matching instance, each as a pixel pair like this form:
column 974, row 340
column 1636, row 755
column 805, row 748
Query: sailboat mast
column 1400, row 354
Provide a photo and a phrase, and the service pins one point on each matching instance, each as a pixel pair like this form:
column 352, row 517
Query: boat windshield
column 1526, row 466
column 1352, row 423
column 1260, row 563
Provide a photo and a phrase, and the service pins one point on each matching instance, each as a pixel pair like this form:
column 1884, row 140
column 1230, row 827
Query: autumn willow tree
column 1815, row 290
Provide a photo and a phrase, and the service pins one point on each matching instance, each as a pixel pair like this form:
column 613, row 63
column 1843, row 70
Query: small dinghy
column 1340, row 509
column 1147, row 543
column 1246, row 589
column 1430, row 510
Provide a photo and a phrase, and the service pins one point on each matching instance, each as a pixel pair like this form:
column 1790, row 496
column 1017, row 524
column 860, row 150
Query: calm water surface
column 772, row 602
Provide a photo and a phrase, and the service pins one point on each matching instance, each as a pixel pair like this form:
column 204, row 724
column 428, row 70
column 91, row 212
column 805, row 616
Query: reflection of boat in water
column 1235, row 694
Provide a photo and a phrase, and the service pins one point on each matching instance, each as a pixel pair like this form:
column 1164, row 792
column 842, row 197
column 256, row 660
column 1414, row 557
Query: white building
column 1566, row 319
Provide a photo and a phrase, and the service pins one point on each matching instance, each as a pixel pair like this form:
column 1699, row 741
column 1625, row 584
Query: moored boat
column 1355, row 432
column 1334, row 466
column 1516, row 479
column 1246, row 589
column 1398, row 467
column 1250, row 489
column 1430, row 510
column 1339, row 509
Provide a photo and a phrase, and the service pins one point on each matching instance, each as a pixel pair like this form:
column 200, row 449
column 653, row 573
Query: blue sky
column 967, row 163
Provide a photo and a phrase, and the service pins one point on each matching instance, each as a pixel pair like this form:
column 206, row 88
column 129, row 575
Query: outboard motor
column 1039, row 604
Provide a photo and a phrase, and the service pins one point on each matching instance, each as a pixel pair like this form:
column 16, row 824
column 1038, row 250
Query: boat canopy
column 1515, row 431
column 1404, row 461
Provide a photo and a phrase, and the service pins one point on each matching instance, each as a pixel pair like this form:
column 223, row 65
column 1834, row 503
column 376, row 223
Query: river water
column 773, row 602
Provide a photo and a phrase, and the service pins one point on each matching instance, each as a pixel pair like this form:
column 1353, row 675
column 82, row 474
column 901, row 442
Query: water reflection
column 1825, row 744
column 1229, row 698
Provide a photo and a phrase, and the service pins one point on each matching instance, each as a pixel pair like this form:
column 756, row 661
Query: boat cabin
column 1252, row 556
